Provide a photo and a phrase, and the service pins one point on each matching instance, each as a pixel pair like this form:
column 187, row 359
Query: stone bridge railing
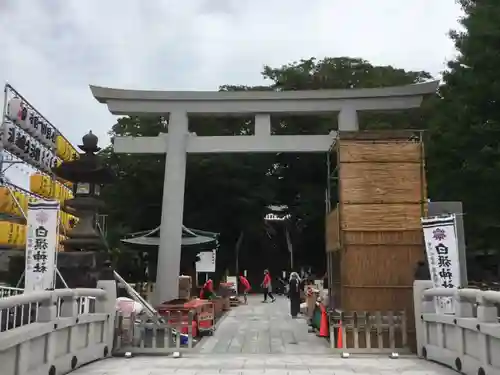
column 85, row 304
column 7, row 291
column 468, row 340
column 47, row 333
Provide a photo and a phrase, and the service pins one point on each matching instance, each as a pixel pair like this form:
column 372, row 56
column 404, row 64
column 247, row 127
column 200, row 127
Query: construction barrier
column 368, row 332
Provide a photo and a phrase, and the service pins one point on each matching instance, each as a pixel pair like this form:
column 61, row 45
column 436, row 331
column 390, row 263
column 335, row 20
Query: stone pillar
column 262, row 125
column 348, row 119
column 487, row 315
column 47, row 313
column 169, row 252
column 107, row 305
column 421, row 306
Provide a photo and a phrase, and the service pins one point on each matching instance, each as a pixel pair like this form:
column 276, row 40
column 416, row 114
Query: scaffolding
column 9, row 159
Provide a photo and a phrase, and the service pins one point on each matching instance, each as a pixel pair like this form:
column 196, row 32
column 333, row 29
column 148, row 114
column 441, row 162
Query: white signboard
column 31, row 121
column 26, row 134
column 275, row 217
column 442, row 254
column 41, row 246
column 27, row 148
column 206, row 262
column 233, row 281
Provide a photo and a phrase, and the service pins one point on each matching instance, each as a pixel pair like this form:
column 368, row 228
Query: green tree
column 464, row 143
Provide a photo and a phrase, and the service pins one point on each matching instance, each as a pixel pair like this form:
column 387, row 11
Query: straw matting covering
column 376, row 226
column 398, row 182
column 393, row 151
column 380, row 217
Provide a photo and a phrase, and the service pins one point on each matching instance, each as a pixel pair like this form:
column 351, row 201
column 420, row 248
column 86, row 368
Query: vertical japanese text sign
column 442, row 254
column 41, row 245
column 206, row 262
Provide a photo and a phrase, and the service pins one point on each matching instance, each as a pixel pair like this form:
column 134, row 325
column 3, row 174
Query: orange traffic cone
column 323, row 326
column 339, row 335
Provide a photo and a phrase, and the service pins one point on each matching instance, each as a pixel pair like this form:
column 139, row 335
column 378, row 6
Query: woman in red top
column 267, row 286
column 207, row 292
column 246, row 287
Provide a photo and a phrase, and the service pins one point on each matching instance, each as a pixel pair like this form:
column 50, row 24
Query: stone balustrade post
column 486, row 313
column 69, row 309
column 463, row 306
column 107, row 305
column 421, row 306
column 429, row 306
column 69, row 306
column 47, row 313
column 47, row 309
column 486, row 310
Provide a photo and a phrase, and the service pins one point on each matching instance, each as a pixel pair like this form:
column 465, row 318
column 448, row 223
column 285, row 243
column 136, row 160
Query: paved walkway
column 262, row 339
column 263, row 328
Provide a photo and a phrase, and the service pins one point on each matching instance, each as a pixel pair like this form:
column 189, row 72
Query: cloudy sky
column 51, row 50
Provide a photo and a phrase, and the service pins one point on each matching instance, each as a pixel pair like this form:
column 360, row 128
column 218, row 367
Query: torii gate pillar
column 169, row 252
column 178, row 142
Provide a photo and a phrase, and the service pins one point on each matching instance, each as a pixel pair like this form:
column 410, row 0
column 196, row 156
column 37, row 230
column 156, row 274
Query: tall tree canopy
column 229, row 193
column 464, row 146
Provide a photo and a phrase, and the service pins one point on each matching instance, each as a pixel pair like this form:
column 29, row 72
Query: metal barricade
column 140, row 335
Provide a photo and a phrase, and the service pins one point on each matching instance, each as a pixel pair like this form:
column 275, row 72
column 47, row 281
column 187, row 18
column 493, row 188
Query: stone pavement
column 262, row 339
column 263, row 328
column 254, row 364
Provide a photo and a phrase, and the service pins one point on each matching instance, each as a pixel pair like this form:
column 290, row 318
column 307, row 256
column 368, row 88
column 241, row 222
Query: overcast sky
column 51, row 50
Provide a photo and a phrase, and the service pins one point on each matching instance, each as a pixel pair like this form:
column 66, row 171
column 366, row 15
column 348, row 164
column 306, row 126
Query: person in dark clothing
column 294, row 294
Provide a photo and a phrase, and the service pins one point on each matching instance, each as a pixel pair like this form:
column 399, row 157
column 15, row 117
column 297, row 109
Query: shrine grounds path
column 262, row 338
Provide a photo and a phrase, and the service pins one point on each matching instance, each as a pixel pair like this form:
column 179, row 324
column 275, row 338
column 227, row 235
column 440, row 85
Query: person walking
column 246, row 287
column 267, row 286
column 294, row 294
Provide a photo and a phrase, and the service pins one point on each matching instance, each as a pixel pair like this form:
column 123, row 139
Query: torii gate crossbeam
column 179, row 141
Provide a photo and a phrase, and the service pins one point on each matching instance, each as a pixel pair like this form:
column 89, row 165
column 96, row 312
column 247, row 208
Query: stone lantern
column 87, row 175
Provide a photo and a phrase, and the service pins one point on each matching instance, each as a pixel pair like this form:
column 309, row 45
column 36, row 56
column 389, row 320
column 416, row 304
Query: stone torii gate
column 179, row 141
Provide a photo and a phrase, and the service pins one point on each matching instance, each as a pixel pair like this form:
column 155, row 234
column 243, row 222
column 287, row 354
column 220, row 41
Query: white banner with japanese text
column 442, row 255
column 41, row 245
column 206, row 262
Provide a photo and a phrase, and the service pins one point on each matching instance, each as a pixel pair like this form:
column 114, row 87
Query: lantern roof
column 190, row 237
column 87, row 168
